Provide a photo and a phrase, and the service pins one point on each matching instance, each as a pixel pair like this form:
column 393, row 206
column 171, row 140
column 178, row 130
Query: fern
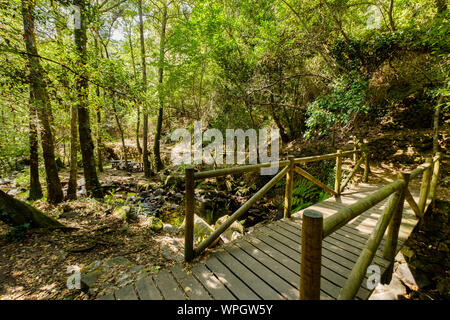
column 306, row 194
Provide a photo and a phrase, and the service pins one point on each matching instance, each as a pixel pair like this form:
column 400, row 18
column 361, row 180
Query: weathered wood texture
column 265, row 264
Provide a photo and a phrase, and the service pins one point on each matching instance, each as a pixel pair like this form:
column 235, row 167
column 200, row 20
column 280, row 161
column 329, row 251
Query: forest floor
column 34, row 265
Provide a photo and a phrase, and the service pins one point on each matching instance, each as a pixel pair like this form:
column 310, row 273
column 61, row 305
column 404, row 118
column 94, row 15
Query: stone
column 155, row 224
column 170, row 228
column 406, row 276
column 89, row 279
column 172, row 249
column 201, row 230
column 118, row 261
column 122, row 212
column 233, row 232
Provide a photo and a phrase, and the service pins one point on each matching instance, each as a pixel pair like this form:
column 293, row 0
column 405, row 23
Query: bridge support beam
column 311, row 256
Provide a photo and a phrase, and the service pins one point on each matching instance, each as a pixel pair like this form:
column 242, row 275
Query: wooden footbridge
column 322, row 252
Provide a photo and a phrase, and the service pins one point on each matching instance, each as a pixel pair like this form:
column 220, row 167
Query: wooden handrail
column 358, row 272
column 391, row 218
column 255, row 167
column 239, row 212
column 344, row 215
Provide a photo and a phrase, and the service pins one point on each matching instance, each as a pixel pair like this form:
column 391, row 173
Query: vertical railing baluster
column 189, row 215
column 311, row 255
column 289, row 188
column 425, row 186
column 337, row 181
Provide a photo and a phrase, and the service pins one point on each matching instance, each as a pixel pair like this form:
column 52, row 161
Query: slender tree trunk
column 92, row 184
column 35, row 185
column 41, row 103
column 138, row 120
column 162, row 48
column 72, row 186
column 436, row 126
column 119, row 126
column 145, row 161
column 98, row 113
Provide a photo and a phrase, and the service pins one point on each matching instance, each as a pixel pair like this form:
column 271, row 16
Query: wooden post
column 390, row 246
column 366, row 164
column 425, row 187
column 311, row 260
column 189, row 215
column 435, row 177
column 355, row 147
column 337, row 182
column 289, row 188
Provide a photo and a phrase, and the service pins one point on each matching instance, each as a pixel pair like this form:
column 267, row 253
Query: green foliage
column 306, row 194
column 347, row 98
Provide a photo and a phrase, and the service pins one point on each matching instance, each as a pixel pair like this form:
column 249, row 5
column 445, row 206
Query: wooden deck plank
column 147, row 290
column 258, row 262
column 331, row 271
column 232, row 258
column 168, row 286
column 231, row 281
column 193, row 289
column 126, row 293
column 347, row 244
column 266, row 263
column 327, row 285
column 216, row 288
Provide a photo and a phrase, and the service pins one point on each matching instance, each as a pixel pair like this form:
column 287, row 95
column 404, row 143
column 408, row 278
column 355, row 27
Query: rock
column 233, row 232
column 406, row 276
column 172, row 249
column 118, row 261
column 155, row 224
column 88, row 279
column 122, row 212
column 201, row 230
column 170, row 228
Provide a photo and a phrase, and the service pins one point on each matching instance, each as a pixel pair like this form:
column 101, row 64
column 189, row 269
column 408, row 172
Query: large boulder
column 202, row 230
column 233, row 232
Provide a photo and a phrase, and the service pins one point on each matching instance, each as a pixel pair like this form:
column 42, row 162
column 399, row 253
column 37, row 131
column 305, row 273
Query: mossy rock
column 155, row 224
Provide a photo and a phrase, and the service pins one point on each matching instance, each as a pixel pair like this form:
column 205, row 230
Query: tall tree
column 35, row 185
column 147, row 170
column 92, row 183
column 41, row 103
column 162, row 48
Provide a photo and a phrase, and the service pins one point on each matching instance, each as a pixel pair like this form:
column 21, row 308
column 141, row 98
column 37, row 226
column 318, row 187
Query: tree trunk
column 72, row 186
column 436, row 127
column 133, row 63
column 35, row 185
column 145, row 161
column 116, row 116
column 92, row 184
column 98, row 113
column 41, row 103
column 162, row 47
column 16, row 213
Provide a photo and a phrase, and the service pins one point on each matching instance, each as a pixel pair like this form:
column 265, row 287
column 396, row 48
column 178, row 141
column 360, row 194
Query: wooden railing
column 315, row 229
column 288, row 167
